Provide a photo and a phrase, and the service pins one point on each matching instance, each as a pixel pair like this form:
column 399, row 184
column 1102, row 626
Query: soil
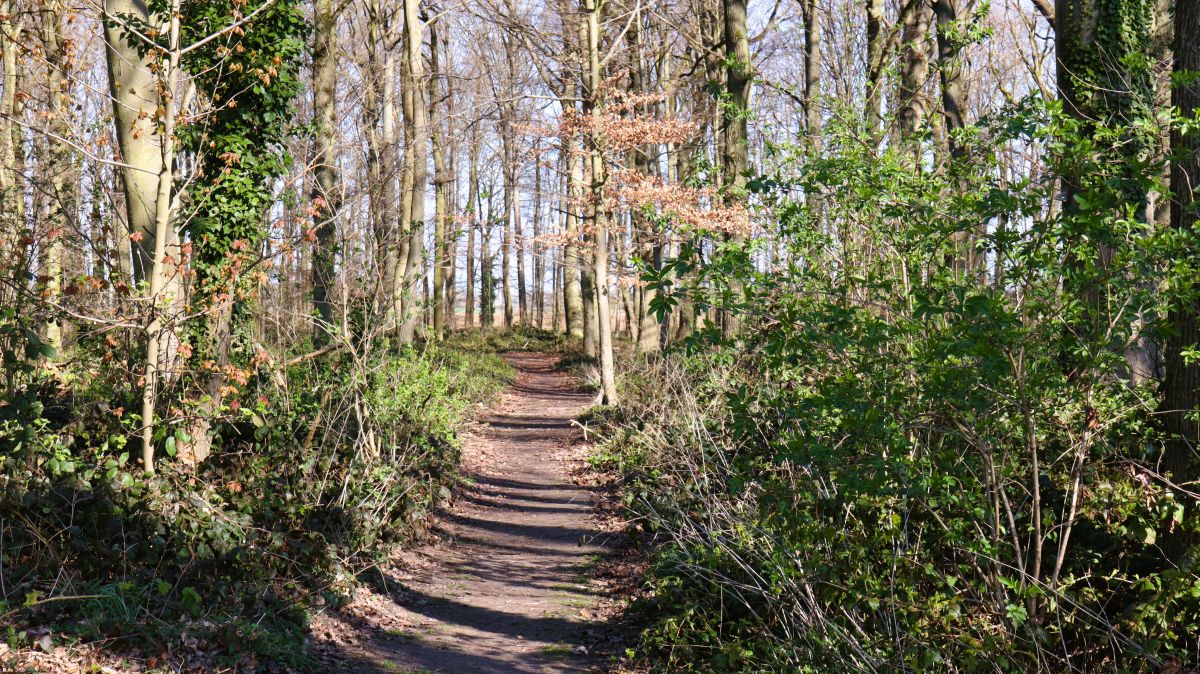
column 511, row 588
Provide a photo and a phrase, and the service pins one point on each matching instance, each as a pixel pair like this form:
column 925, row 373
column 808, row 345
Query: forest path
column 511, row 590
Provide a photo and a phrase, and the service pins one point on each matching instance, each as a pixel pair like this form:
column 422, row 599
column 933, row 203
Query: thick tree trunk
column 1181, row 390
column 133, row 86
column 949, row 69
column 914, row 69
column 1103, row 82
column 946, row 12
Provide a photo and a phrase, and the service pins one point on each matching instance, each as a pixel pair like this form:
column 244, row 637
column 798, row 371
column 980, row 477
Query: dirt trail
column 511, row 591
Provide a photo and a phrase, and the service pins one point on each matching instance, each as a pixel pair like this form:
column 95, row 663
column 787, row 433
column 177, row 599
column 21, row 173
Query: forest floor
column 512, row 585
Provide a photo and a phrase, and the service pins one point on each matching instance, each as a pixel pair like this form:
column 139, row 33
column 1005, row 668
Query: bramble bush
column 908, row 462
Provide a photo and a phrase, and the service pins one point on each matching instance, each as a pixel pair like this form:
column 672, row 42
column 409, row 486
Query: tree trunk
column 487, row 284
column 441, row 185
column 593, row 107
column 914, row 69
column 736, row 158
column 472, row 220
column 1103, row 82
column 946, row 12
column 518, row 228
column 133, row 87
column 642, row 234
column 1181, row 390
column 324, row 182
column 573, row 298
column 415, row 197
column 873, row 111
column 59, row 216
column 379, row 113
column 539, row 265
column 158, row 330
column 11, row 203
column 506, row 239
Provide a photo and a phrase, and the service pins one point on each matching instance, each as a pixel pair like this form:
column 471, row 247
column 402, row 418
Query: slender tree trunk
column 506, row 240
column 736, row 158
column 555, row 314
column 156, row 331
column 472, row 220
column 812, row 98
column 441, row 183
column 487, row 283
column 453, row 145
column 324, row 180
column 573, row 298
column 539, row 264
column 518, row 231
column 11, row 205
column 642, row 234
column 59, row 216
column 873, row 111
column 415, row 198
column 593, row 107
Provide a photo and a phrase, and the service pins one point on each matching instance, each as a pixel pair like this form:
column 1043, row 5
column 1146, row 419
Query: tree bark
column 539, row 265
column 12, row 206
column 1181, row 389
column 914, row 69
column 60, row 200
column 873, row 111
column 415, row 197
column 487, row 283
column 573, row 298
column 441, row 186
column 324, row 191
column 472, row 220
column 594, row 107
column 736, row 156
column 133, row 86
column 159, row 278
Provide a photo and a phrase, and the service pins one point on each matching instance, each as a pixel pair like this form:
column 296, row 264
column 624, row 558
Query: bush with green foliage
column 925, row 451
column 316, row 471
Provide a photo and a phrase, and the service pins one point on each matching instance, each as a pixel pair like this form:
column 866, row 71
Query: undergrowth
column 322, row 468
column 914, row 467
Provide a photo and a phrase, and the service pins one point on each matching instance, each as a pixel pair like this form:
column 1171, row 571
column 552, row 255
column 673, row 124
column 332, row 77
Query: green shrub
column 314, row 475
column 921, row 465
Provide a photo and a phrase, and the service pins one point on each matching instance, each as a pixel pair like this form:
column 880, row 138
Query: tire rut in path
column 511, row 592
